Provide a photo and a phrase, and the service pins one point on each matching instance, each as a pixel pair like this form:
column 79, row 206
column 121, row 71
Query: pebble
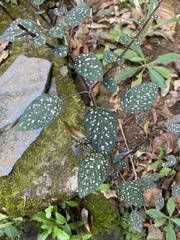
column 63, row 71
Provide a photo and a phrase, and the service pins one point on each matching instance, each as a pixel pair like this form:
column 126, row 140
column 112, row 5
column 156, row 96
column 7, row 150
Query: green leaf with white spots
column 159, row 203
column 60, row 51
column 110, row 84
column 173, row 127
column 175, row 191
column 139, row 98
column 108, row 56
column 57, row 31
column 93, row 171
column 126, row 73
column 89, row 66
column 101, row 130
column 15, row 33
column 59, row 11
column 77, row 15
column 132, row 193
column 170, row 161
column 40, row 113
column 157, row 78
column 38, row 2
column 136, row 220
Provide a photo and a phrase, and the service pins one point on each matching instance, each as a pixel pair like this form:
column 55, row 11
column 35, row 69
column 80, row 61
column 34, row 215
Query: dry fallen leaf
column 164, row 91
column 176, row 84
column 4, row 55
column 3, row 45
column 150, row 196
column 146, row 127
column 169, row 139
column 172, row 98
column 75, row 134
column 84, row 218
column 164, row 12
column 154, row 232
column 109, row 193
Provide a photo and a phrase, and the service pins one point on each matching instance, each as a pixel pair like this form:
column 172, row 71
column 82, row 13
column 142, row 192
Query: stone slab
column 23, row 81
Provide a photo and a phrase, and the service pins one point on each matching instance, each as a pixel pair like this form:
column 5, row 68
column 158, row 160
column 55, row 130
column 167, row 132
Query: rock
column 26, row 79
column 47, row 171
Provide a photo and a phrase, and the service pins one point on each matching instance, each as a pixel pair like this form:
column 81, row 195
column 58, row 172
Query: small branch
column 122, row 131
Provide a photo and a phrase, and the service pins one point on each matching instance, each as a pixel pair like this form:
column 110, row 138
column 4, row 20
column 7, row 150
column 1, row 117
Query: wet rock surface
column 26, row 79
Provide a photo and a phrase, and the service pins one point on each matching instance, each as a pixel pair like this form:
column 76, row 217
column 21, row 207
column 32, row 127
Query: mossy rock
column 46, row 173
column 106, row 221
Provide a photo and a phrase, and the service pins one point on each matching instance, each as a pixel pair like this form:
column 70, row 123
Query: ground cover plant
column 100, row 124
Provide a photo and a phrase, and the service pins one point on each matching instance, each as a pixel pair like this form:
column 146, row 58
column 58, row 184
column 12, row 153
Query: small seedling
column 167, row 222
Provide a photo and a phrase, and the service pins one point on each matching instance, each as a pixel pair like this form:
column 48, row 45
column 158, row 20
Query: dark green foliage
column 40, row 113
column 159, row 203
column 10, row 226
column 170, row 161
column 60, row 51
column 173, row 127
column 77, row 15
column 136, row 220
column 93, row 171
column 15, row 33
column 89, row 66
column 57, row 31
column 132, row 193
column 108, row 56
column 175, row 191
column 59, row 11
column 110, row 84
column 139, row 98
column 101, row 130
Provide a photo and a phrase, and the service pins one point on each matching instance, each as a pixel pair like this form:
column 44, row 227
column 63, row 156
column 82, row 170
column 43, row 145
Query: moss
column 44, row 168
column 105, row 218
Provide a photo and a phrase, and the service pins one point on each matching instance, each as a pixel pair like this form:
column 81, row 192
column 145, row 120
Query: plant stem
column 43, row 18
column 122, row 131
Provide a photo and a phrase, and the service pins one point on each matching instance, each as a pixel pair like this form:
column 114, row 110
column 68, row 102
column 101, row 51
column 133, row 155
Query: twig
column 122, row 131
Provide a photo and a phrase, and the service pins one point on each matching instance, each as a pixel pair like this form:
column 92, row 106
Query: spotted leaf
column 40, row 113
column 93, row 171
column 38, row 2
column 60, row 50
column 101, row 130
column 57, row 31
column 89, row 66
column 15, row 33
column 139, row 98
column 136, row 220
column 175, row 191
column 173, row 127
column 77, row 15
column 171, row 161
column 108, row 56
column 110, row 84
column 59, row 11
column 159, row 203
column 132, row 193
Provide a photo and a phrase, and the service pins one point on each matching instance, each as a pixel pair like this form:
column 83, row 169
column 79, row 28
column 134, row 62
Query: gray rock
column 26, row 79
